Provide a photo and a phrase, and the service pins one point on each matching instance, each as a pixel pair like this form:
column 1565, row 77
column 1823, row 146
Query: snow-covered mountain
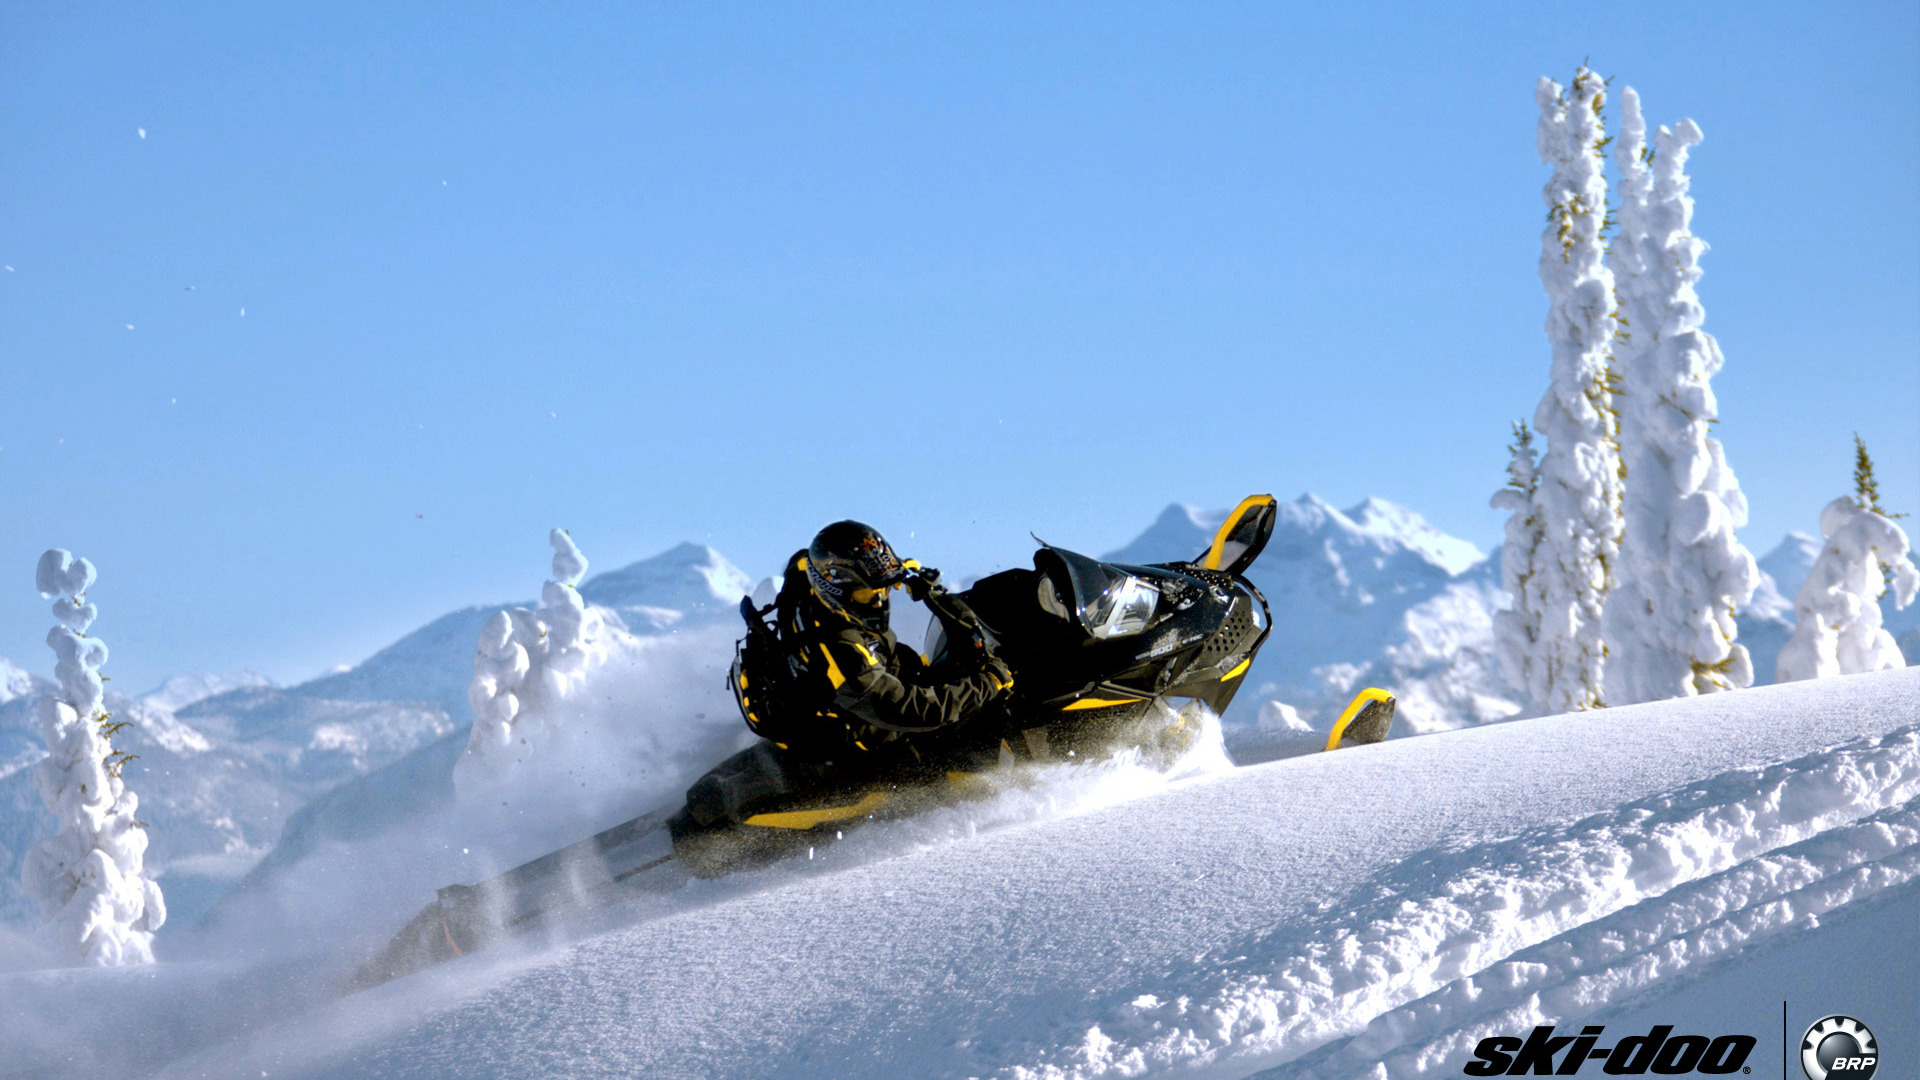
column 181, row 691
column 1373, row 595
column 686, row 585
column 1787, row 564
column 1369, row 595
column 221, row 774
column 216, row 781
column 1367, row 913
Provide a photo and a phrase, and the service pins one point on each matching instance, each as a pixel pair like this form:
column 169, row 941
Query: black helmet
column 851, row 567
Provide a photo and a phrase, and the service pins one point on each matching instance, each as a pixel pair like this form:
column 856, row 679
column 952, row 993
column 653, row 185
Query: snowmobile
column 1098, row 651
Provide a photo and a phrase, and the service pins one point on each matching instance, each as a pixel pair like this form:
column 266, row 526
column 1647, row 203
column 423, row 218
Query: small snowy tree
column 1577, row 498
column 1682, row 573
column 89, row 878
column 526, row 656
column 1516, row 629
column 1837, row 629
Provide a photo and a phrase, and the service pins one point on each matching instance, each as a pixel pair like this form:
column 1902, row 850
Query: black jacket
column 869, row 693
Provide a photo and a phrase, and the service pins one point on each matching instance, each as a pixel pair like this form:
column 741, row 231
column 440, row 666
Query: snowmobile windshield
column 1108, row 601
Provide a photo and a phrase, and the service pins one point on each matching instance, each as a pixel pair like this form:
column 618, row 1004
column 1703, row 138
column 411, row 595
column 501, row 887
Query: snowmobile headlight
column 1123, row 609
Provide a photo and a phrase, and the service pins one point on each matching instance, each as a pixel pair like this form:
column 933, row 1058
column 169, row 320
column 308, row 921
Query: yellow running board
column 807, row 819
column 1360, row 700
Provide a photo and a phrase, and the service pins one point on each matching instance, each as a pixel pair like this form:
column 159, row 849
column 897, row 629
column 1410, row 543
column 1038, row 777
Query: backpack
column 772, row 691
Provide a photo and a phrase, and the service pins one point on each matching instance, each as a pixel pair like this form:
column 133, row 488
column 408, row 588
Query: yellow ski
column 1367, row 719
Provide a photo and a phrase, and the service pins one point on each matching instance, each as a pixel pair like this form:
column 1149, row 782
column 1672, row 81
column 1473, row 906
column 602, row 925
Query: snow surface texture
column 1554, row 636
column 1670, row 620
column 1838, row 630
column 89, row 877
column 1565, row 870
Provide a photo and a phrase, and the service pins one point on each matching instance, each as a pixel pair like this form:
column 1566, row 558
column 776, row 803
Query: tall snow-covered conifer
column 1682, row 573
column 1516, row 629
column 90, row 877
column 1577, row 499
column 1837, row 629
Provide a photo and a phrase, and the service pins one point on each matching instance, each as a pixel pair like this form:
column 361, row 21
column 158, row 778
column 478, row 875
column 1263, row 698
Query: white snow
column 180, row 691
column 527, row 665
column 89, row 877
column 1670, row 622
column 1372, row 912
column 1364, row 913
column 1577, row 497
column 1838, row 627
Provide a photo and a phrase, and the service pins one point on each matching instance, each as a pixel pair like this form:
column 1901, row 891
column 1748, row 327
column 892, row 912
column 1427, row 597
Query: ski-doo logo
column 1543, row 1053
column 1839, row 1048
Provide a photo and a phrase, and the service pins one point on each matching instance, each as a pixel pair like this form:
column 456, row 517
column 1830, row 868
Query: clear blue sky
column 959, row 272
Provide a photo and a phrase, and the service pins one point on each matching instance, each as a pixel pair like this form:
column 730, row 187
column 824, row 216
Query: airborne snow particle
column 189, row 288
column 142, row 131
column 551, row 416
column 129, row 326
column 9, row 269
column 243, row 313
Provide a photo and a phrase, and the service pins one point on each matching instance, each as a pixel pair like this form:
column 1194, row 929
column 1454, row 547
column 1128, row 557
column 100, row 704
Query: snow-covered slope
column 1367, row 913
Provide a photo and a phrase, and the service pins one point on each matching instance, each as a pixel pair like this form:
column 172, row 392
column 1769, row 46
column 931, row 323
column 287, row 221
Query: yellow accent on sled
column 1238, row 669
column 1248, row 504
column 1371, row 693
column 807, row 819
column 1098, row 703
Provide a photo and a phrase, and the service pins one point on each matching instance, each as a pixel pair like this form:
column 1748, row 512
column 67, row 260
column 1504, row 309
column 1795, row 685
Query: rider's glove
column 923, row 583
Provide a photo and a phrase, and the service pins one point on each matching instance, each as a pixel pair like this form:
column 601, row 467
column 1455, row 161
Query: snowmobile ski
column 1366, row 719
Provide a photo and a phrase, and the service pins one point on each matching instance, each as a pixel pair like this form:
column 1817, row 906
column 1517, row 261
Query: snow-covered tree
column 89, row 878
column 1516, row 629
column 1837, row 627
column 528, row 656
column 1577, row 498
column 1682, row 573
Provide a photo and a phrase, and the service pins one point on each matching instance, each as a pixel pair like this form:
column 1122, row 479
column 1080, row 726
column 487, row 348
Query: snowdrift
column 1364, row 913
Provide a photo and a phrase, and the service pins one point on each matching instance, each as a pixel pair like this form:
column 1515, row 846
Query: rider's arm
column 867, row 686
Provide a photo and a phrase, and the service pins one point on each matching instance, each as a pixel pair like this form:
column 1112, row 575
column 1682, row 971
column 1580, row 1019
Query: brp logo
column 1839, row 1048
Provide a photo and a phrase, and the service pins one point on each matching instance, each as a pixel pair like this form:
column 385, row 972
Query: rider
column 857, row 694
